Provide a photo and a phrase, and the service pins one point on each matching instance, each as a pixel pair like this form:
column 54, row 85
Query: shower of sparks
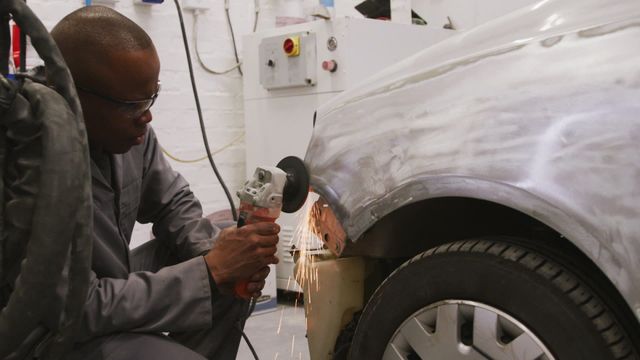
column 306, row 241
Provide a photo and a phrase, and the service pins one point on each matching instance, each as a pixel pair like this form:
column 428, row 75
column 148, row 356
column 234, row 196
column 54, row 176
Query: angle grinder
column 272, row 189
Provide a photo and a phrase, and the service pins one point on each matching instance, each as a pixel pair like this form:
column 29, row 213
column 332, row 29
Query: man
column 178, row 284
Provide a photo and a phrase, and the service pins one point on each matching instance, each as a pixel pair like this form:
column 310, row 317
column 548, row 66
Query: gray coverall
column 163, row 286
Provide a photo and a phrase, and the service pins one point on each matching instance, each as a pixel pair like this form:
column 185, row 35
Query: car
column 491, row 186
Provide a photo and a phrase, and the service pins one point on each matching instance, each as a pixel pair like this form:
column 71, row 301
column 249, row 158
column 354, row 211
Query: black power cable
column 252, row 306
column 202, row 128
column 233, row 37
column 5, row 43
column 215, row 169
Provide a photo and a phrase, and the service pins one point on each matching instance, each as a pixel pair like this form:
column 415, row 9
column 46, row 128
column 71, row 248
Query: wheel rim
column 460, row 329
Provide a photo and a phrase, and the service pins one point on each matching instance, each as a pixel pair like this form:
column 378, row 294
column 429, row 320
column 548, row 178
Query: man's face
column 113, row 99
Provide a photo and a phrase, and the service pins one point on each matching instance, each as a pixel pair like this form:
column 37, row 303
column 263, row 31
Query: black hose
column 46, row 207
column 5, row 43
column 199, row 109
column 58, row 75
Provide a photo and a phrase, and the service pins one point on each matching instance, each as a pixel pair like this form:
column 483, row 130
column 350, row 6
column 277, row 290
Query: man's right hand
column 240, row 253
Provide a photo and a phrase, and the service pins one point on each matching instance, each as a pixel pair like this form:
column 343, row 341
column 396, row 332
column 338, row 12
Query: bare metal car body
column 538, row 112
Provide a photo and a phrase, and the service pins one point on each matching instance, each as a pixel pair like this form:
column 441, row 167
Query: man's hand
column 243, row 253
column 257, row 281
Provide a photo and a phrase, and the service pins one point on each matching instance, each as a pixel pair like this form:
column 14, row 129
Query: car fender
column 544, row 122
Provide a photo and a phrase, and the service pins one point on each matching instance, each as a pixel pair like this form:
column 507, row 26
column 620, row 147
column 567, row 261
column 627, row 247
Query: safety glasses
column 128, row 108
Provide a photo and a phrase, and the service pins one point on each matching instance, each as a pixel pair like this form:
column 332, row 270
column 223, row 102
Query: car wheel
column 487, row 299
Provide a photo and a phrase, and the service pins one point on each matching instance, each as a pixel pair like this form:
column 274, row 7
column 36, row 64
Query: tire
column 527, row 294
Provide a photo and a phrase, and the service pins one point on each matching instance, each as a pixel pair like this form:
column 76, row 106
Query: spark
column 308, row 293
column 306, row 241
column 293, row 342
column 288, row 283
column 280, row 322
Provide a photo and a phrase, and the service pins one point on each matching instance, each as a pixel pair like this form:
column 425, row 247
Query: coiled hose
column 45, row 213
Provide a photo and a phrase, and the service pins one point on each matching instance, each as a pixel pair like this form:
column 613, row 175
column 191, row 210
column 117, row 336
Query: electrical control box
column 288, row 61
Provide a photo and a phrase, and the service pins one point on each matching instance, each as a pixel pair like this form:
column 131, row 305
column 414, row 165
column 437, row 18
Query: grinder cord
column 213, row 165
column 202, row 128
column 239, row 325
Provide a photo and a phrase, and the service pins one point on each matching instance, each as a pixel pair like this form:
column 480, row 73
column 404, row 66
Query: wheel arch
column 458, row 208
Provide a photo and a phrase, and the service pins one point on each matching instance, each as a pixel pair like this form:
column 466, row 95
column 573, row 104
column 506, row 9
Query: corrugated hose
column 45, row 213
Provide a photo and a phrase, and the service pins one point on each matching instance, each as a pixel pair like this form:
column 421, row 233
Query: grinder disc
column 297, row 187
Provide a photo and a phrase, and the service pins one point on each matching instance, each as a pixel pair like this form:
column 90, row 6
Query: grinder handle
column 240, row 289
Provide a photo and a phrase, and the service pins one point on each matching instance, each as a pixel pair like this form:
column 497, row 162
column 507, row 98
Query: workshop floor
column 288, row 344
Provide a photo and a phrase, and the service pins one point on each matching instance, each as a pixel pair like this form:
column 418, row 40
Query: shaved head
column 115, row 68
column 90, row 35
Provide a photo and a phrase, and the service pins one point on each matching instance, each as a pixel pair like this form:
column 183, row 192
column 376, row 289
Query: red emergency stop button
column 291, row 46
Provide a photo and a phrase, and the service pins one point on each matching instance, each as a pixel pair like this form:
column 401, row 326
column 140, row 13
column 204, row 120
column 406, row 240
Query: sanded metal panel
column 537, row 111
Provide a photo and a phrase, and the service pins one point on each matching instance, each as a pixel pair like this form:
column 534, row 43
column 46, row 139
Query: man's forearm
column 176, row 298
